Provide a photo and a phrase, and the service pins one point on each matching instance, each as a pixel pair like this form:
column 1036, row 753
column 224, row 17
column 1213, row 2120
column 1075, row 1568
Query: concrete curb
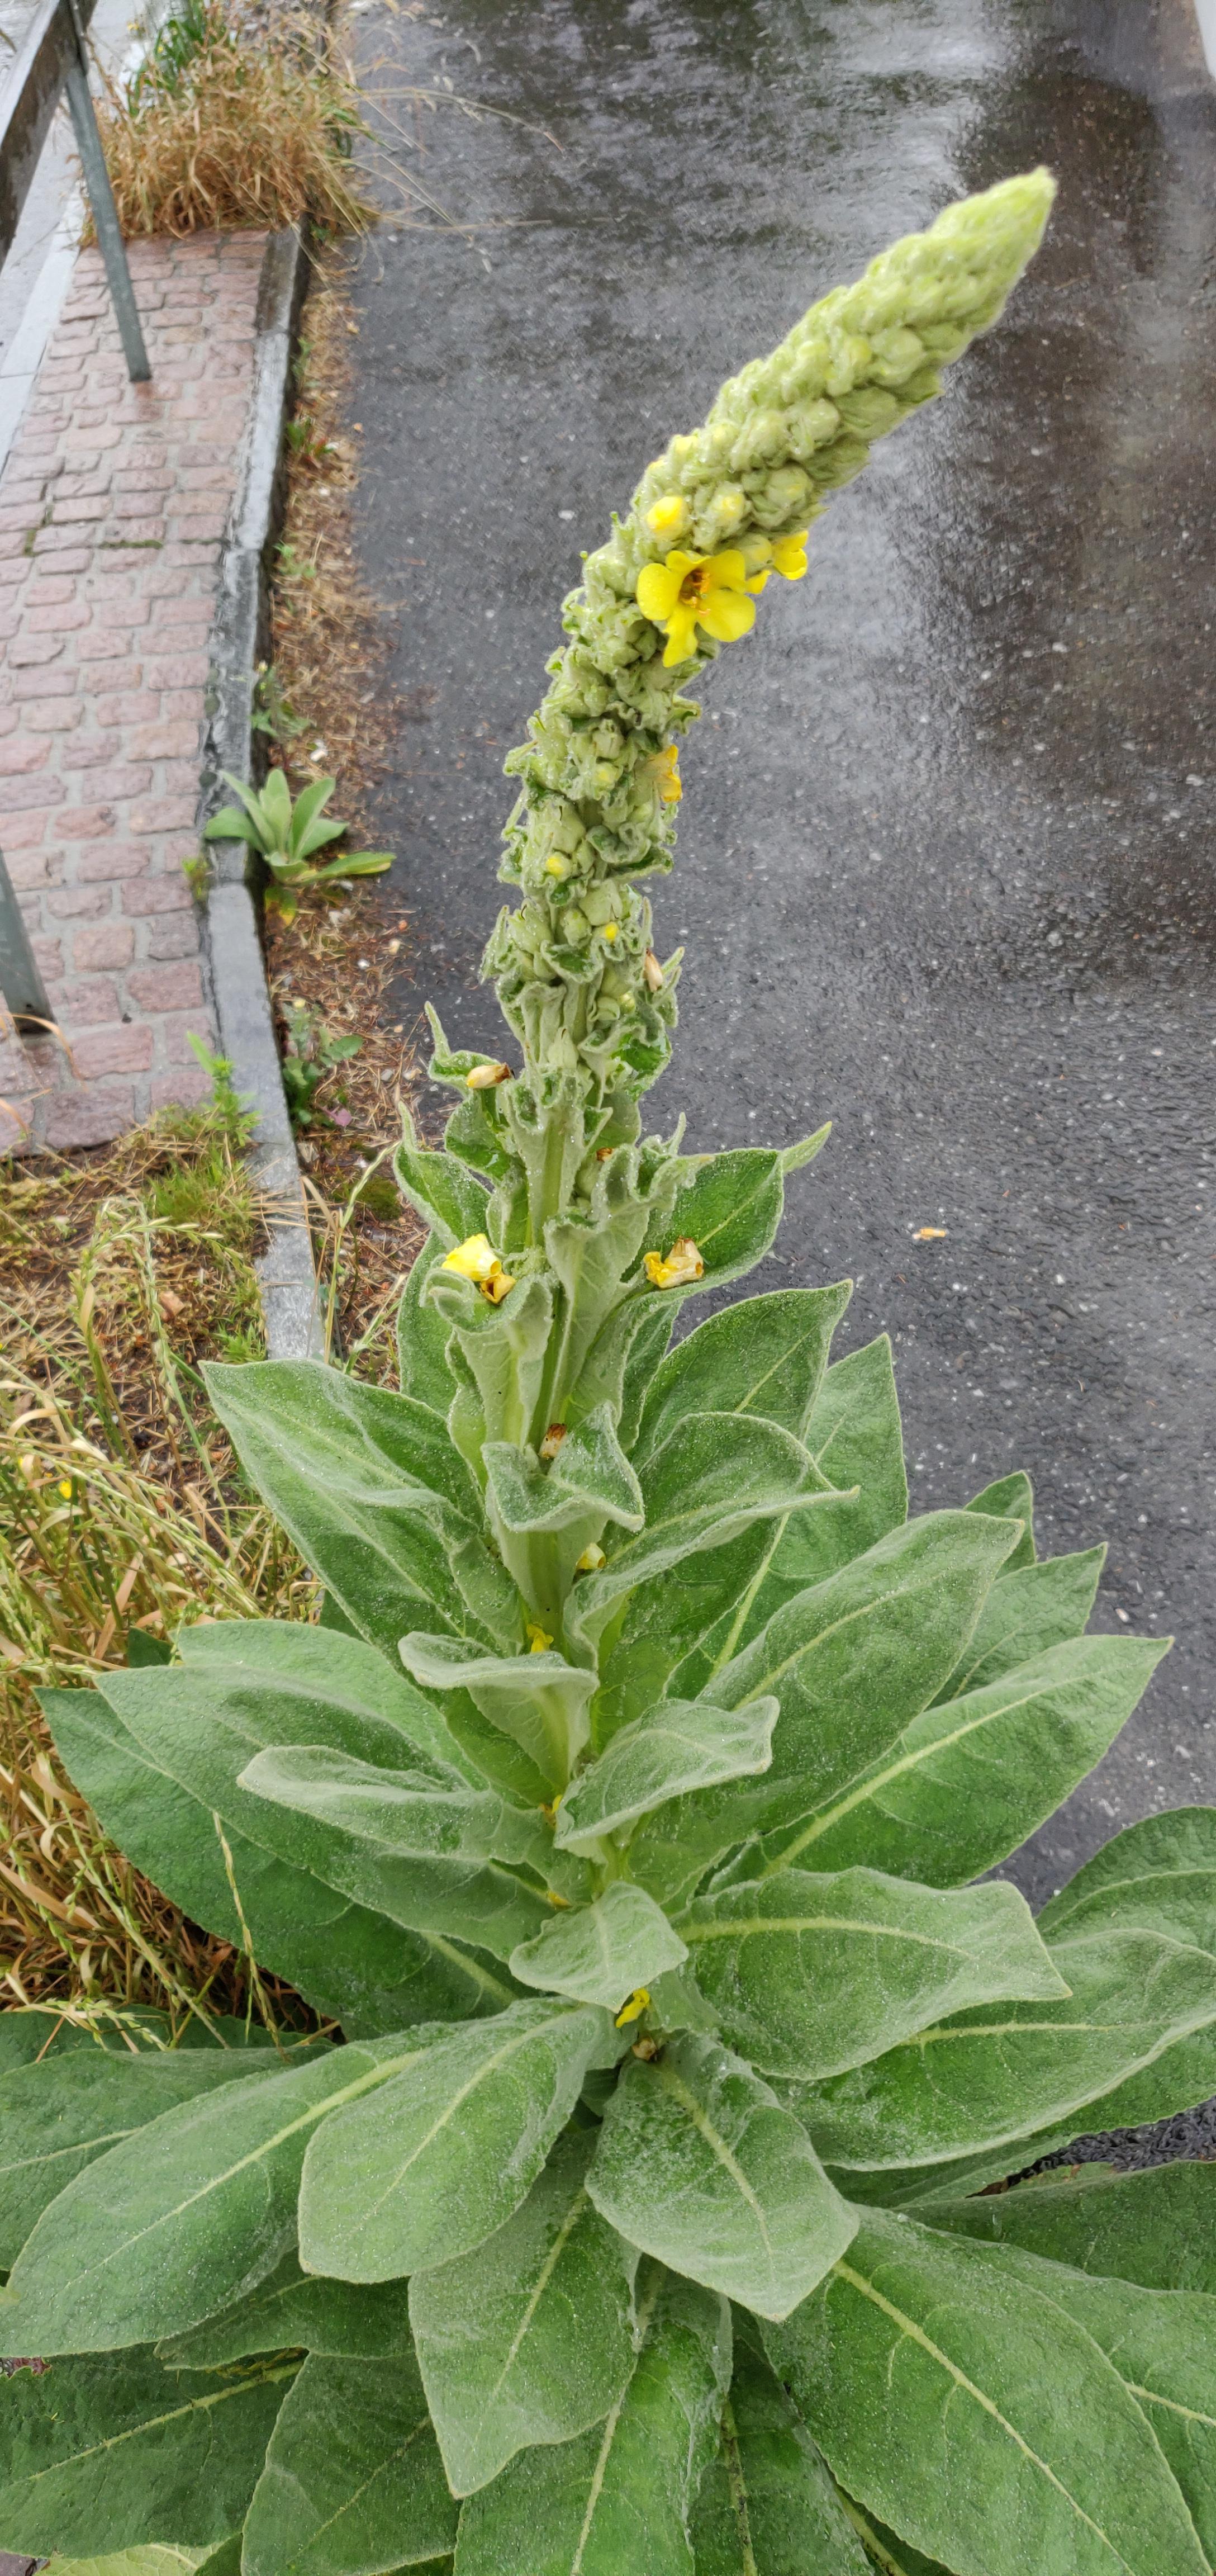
column 231, row 941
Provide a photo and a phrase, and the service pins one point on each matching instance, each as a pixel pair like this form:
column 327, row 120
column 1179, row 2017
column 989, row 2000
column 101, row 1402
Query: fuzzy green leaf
column 341, row 1691
column 812, row 1974
column 1019, row 2446
column 55, row 2118
column 443, row 1191
column 363, row 2321
column 539, row 1700
column 1156, row 2227
column 346, row 1960
column 450, row 2148
column 1159, row 1875
column 103, row 2455
column 529, row 2338
column 970, row 1778
column 420, row 1855
column 767, row 2505
column 590, row 1480
column 766, row 1356
column 1011, row 1498
column 714, row 1475
column 731, row 1210
column 601, row 1953
column 678, row 1746
column 855, row 1439
column 1027, row 1613
column 353, row 2483
column 621, row 2496
column 376, row 1498
column 183, row 2218
column 422, row 1336
column 987, row 2078
column 698, row 2164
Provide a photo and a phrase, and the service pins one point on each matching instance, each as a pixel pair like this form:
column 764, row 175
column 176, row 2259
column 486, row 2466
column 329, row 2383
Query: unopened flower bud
column 484, row 1076
column 538, row 1640
column 669, row 516
column 553, row 1439
column 591, row 1560
column 652, row 972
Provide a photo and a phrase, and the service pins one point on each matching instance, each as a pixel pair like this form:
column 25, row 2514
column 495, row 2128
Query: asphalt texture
column 945, row 864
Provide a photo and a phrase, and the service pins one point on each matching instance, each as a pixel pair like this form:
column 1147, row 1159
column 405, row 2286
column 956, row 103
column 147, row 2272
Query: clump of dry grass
column 215, row 129
column 121, row 1516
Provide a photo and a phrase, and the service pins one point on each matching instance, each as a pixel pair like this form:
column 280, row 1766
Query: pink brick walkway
column 113, row 506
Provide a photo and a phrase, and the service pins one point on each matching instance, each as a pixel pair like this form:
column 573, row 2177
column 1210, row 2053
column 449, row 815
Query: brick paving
column 114, row 504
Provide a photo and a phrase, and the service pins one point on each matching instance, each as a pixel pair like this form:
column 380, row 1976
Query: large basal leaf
column 345, row 1693
column 183, row 2218
column 449, row 2149
column 855, row 1438
column 678, row 1746
column 539, row 1700
column 766, row 1355
column 374, row 1494
column 851, row 1663
column 601, row 1953
column 1159, row 1874
column 529, row 2339
column 372, row 1976
column 731, row 1210
column 970, row 1778
column 358, row 2321
column 443, row 1191
column 353, row 2482
column 810, row 1975
column 56, row 2117
column 1026, row 1613
column 1018, row 2448
column 417, row 1854
column 767, row 2505
column 101, row 2455
column 854, row 1659
column 1156, row 2227
column 422, row 1337
column 1163, row 2345
column 698, row 2164
column 988, row 2078
column 713, row 1476
column 1184, row 2073
column 619, row 2497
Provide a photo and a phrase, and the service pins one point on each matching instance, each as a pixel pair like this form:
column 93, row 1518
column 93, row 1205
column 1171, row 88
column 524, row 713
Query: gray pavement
column 945, row 868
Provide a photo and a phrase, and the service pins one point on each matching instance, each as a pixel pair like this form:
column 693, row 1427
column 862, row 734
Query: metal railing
column 51, row 59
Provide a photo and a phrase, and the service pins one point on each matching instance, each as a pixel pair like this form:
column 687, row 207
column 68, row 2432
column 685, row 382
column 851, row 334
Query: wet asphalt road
column 945, row 868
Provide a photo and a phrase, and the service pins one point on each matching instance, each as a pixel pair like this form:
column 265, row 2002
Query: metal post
column 105, row 212
column 20, row 981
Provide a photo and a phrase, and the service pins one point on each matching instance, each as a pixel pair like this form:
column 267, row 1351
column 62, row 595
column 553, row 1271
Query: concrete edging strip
column 232, row 945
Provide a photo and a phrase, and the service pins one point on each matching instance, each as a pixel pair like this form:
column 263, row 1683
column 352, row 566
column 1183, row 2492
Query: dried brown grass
column 242, row 133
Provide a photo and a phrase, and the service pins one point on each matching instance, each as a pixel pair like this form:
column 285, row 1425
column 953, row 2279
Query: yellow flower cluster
column 477, row 1260
column 715, row 591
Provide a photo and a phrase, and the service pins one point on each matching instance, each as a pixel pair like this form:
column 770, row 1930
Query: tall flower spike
column 711, row 519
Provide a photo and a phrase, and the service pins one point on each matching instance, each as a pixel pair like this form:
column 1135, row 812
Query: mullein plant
column 630, row 1820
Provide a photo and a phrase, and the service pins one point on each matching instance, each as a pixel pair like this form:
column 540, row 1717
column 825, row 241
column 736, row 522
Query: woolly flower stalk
column 712, row 519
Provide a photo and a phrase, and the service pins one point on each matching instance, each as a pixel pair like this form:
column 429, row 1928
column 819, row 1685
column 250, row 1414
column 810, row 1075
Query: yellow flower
column 696, row 590
column 538, row 1642
column 667, row 516
column 635, row 2007
column 591, row 1560
column 788, row 557
column 682, row 1265
column 557, row 864
column 611, row 931
column 664, row 772
column 484, row 1076
column 477, row 1260
column 65, row 1488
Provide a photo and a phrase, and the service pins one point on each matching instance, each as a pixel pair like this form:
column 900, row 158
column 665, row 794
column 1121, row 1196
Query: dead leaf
column 930, row 1234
